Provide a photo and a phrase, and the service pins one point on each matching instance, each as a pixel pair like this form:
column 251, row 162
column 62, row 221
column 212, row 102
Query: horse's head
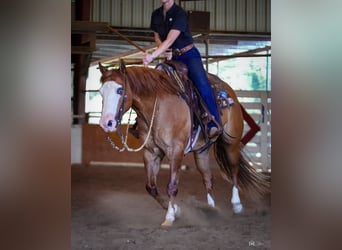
column 113, row 105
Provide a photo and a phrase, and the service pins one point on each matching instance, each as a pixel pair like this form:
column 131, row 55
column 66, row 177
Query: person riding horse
column 171, row 34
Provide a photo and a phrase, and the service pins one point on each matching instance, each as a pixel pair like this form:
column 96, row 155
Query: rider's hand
column 168, row 54
column 147, row 58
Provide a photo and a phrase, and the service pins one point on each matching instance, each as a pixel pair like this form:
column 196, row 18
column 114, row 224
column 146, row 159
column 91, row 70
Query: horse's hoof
column 237, row 208
column 167, row 223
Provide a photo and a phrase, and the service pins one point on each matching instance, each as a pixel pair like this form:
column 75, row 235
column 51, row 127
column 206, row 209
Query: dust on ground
column 112, row 210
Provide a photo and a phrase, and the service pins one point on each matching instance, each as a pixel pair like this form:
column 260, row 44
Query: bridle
column 124, row 138
column 121, row 91
column 118, row 118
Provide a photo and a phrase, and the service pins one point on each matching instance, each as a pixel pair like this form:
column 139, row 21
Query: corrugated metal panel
column 230, row 15
column 127, row 14
column 250, row 15
column 137, row 13
column 268, row 15
column 200, row 6
column 240, row 15
column 210, row 7
column 225, row 15
column 146, row 13
column 220, row 23
column 105, row 10
column 116, row 12
column 261, row 16
column 190, row 5
column 156, row 4
column 95, row 12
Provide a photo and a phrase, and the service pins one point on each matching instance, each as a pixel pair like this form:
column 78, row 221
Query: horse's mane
column 145, row 81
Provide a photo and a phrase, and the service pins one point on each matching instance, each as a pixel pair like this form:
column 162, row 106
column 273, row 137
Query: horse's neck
column 144, row 107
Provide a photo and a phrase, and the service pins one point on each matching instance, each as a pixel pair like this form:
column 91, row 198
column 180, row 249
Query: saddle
column 200, row 117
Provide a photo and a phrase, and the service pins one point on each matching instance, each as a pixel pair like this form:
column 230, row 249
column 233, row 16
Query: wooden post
column 81, row 62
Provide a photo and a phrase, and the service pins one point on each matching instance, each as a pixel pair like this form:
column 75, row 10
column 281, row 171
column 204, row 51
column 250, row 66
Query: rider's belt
column 178, row 52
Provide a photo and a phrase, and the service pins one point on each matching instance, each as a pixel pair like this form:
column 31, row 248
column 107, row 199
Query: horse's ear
column 102, row 68
column 122, row 66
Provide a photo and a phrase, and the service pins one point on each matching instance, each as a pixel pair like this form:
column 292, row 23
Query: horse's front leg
column 173, row 210
column 152, row 166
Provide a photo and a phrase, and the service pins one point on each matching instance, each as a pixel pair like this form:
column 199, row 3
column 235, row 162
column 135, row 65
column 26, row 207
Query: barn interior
column 110, row 206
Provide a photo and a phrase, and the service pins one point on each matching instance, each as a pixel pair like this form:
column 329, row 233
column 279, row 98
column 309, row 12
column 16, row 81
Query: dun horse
column 164, row 122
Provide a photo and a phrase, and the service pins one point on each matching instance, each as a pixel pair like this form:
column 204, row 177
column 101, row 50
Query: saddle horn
column 122, row 66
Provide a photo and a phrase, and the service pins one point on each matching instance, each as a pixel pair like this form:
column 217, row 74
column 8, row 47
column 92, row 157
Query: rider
column 171, row 31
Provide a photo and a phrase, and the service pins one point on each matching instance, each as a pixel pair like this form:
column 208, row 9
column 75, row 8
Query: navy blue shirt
column 176, row 18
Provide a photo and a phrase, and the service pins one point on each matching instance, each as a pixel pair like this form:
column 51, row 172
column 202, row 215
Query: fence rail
column 258, row 105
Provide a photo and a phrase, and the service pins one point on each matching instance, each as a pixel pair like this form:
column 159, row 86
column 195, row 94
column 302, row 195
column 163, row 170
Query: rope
column 124, row 140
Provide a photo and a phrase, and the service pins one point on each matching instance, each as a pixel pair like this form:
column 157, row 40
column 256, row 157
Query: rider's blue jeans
column 198, row 75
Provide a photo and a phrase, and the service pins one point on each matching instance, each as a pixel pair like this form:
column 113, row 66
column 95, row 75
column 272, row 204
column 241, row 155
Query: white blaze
column 110, row 103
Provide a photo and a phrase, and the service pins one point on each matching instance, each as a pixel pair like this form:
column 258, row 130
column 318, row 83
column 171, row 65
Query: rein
column 124, row 138
column 118, row 119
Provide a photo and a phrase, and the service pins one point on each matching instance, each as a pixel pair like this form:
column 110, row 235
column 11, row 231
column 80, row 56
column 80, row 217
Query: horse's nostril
column 110, row 123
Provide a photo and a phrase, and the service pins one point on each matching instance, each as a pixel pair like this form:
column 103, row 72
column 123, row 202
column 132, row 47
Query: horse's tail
column 255, row 183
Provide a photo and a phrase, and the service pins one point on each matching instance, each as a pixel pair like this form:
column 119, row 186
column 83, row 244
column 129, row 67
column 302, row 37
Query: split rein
column 119, row 119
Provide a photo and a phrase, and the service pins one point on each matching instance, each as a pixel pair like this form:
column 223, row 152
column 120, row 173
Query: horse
column 164, row 121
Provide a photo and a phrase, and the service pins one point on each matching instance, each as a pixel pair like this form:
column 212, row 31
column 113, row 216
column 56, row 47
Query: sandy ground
column 112, row 210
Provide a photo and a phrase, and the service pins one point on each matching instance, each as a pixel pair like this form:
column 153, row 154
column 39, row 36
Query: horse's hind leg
column 227, row 154
column 152, row 166
column 234, row 158
column 203, row 165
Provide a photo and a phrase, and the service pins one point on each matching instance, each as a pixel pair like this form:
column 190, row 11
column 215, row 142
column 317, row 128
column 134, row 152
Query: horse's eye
column 119, row 91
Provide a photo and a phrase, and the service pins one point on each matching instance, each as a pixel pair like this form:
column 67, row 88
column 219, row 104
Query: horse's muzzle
column 108, row 126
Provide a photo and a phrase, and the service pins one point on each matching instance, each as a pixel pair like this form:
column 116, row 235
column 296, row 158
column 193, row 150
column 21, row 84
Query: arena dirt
column 112, row 210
